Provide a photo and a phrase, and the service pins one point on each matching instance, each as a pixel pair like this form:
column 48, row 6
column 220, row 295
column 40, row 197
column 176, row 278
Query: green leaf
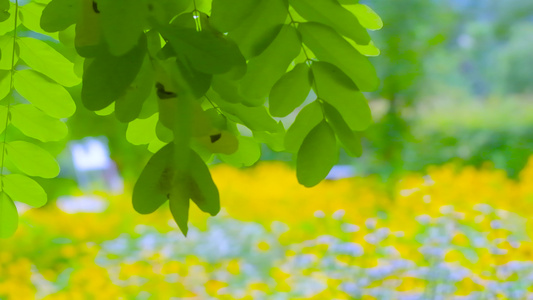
column 349, row 140
column 5, row 83
column 248, row 153
column 32, row 159
column 317, row 155
column 290, row 91
column 255, row 118
column 142, row 131
column 6, row 47
column 24, row 189
column 4, row 10
column 306, row 119
column 154, row 184
column 196, row 82
column 48, row 96
column 207, row 52
column 129, row 105
column 3, row 118
column 30, row 15
column 107, row 77
column 164, row 10
column 227, row 15
column 123, row 22
column 219, row 142
column 179, row 205
column 332, row 14
column 9, row 217
column 329, row 46
column 274, row 140
column 44, row 59
column 60, row 14
column 336, row 88
column 267, row 68
column 260, row 27
column 366, row 16
column 203, row 190
column 36, row 124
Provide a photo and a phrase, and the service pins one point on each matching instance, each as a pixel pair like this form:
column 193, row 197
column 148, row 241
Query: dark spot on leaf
column 168, row 195
column 150, row 7
column 95, row 7
column 162, row 93
column 215, row 137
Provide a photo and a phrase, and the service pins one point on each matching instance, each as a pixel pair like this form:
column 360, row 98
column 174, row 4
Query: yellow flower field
column 449, row 234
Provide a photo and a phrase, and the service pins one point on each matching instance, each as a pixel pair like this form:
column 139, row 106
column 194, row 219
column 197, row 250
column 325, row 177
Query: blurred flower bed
column 449, row 234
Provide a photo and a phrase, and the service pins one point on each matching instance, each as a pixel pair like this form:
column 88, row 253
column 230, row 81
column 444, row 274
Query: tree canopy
column 193, row 80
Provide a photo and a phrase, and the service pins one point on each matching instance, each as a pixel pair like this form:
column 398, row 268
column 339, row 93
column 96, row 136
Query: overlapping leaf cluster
column 34, row 102
column 198, row 78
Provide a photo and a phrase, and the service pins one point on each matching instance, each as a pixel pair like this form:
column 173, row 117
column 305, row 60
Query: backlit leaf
column 331, row 13
column 337, row 89
column 32, row 159
column 48, row 96
column 154, row 184
column 24, row 189
column 267, row 68
column 3, row 116
column 30, row 15
column 142, row 131
column 306, row 119
column 9, row 217
column 248, row 153
column 367, row 17
column 44, row 59
column 107, row 77
column 317, row 155
column 6, row 47
column 36, row 124
column 329, row 46
column 290, row 91
column 219, row 142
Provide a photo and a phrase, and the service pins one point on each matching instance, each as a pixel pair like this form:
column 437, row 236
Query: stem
column 11, row 89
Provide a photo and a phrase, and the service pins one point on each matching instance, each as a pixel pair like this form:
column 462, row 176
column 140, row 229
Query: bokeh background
column 438, row 207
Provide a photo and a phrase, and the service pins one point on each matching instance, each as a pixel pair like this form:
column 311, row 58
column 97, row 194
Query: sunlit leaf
column 6, row 48
column 36, row 124
column 48, row 96
column 306, row 119
column 367, row 17
column 290, row 91
column 142, row 131
column 60, row 14
column 107, row 77
column 24, row 189
column 46, row 60
column 267, row 68
column 5, row 84
column 154, row 184
column 349, row 140
column 248, row 153
column 260, row 27
column 3, row 118
column 32, row 159
column 30, row 14
column 336, row 88
column 317, row 155
column 331, row 13
column 329, row 46
column 9, row 217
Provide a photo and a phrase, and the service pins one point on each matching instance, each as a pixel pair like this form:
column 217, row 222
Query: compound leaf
column 9, row 217
column 306, row 119
column 290, row 91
